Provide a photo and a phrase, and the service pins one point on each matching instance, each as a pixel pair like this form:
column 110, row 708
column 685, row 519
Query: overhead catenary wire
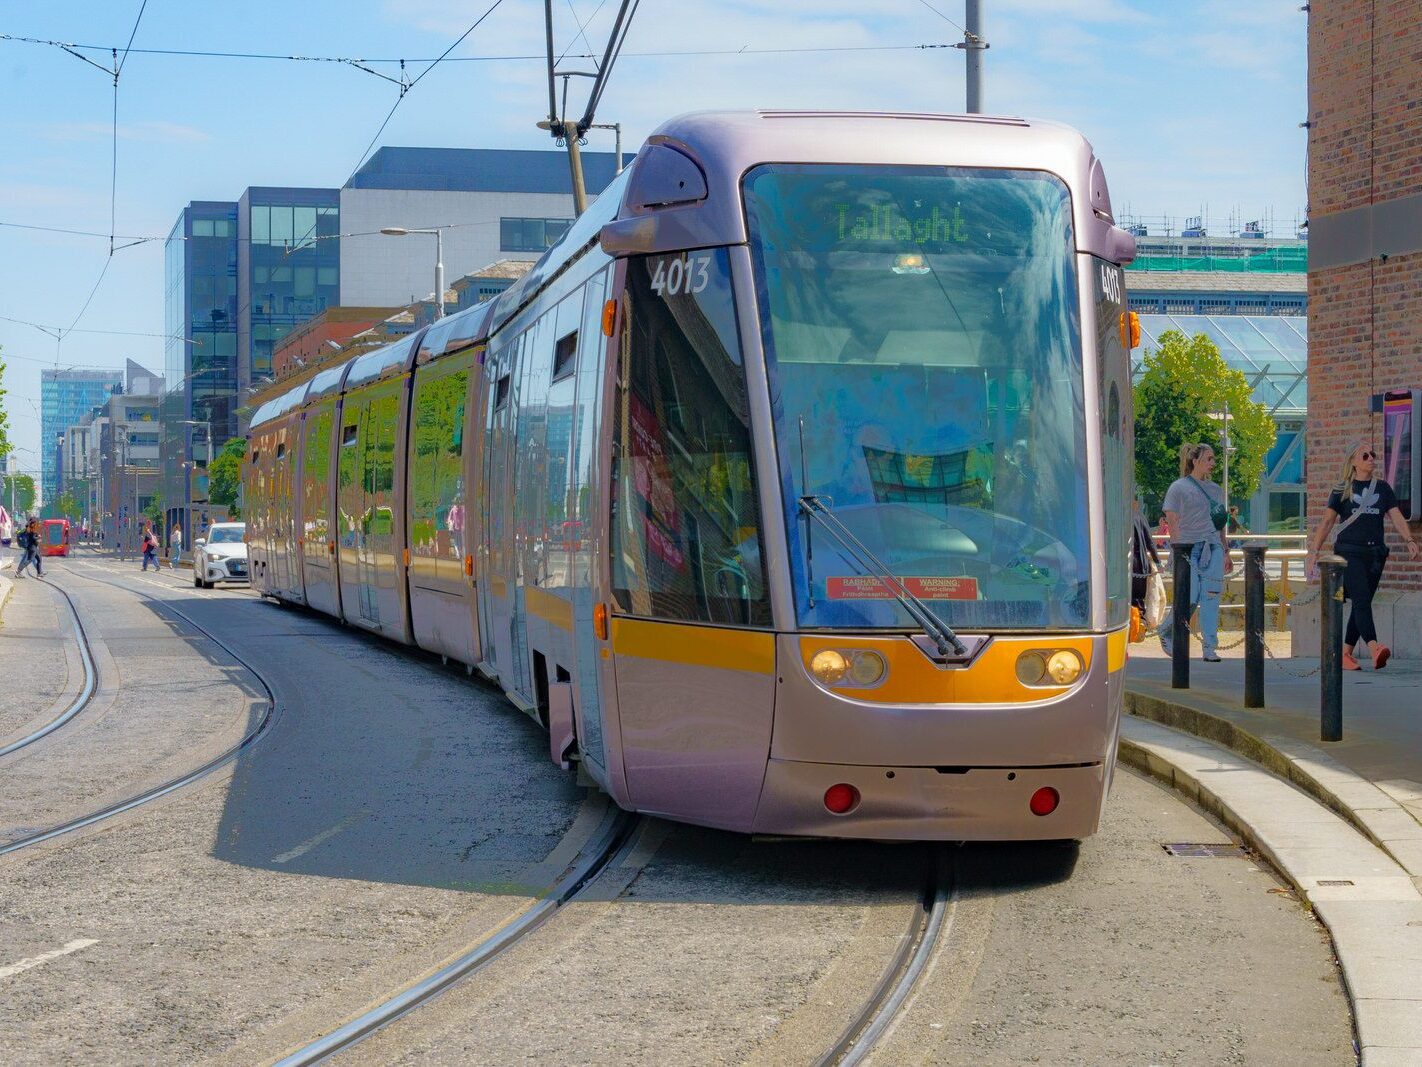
column 406, row 87
column 512, row 57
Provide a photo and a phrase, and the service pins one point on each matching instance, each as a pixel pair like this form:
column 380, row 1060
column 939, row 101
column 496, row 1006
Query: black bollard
column 1254, row 626
column 1330, row 659
column 1180, row 632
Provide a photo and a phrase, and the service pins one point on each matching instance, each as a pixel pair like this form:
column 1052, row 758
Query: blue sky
column 1190, row 103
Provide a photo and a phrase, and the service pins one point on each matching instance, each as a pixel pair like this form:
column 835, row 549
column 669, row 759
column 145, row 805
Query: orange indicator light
column 609, row 317
column 600, row 622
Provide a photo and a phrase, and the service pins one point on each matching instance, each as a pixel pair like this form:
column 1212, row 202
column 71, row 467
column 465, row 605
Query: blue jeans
column 1207, row 561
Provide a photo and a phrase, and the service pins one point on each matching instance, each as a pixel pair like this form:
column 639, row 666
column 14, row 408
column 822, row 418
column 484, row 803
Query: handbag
column 1219, row 514
column 1154, row 613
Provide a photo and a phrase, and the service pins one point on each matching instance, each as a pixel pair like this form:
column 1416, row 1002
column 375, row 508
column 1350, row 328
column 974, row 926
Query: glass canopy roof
column 1271, row 350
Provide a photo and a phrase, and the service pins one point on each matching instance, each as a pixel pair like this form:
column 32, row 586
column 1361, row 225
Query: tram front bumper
column 930, row 803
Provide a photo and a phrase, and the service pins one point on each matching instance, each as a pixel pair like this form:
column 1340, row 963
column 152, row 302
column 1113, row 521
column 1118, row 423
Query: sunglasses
column 1367, row 455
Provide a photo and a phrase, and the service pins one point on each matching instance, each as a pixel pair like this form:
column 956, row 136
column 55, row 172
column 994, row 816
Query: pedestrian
column 1196, row 515
column 150, row 546
column 1361, row 499
column 1145, row 568
column 29, row 547
column 7, row 528
column 175, row 543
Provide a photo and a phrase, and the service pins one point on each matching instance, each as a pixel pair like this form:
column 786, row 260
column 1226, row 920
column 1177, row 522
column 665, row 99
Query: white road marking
column 44, row 957
column 325, row 835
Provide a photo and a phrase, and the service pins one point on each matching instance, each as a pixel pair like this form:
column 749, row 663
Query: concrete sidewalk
column 1358, row 865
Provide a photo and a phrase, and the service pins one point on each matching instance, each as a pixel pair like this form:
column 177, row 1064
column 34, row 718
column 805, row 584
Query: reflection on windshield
column 226, row 535
column 922, row 345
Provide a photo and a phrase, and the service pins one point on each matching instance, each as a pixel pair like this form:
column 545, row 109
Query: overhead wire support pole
column 974, row 45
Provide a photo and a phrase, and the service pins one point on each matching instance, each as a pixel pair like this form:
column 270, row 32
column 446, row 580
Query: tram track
column 251, row 737
column 609, row 844
column 931, row 920
column 87, row 688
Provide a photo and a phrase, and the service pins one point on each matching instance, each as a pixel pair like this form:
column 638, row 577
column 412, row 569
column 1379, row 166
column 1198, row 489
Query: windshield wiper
column 937, row 630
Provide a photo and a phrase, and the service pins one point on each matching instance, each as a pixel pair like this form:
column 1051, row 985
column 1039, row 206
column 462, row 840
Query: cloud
column 152, row 132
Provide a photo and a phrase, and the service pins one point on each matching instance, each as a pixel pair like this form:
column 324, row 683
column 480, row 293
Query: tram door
column 496, row 581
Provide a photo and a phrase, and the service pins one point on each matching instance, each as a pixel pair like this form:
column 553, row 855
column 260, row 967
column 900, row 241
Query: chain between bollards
column 1254, row 626
column 1330, row 659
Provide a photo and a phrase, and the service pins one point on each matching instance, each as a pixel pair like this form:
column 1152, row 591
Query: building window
column 530, row 235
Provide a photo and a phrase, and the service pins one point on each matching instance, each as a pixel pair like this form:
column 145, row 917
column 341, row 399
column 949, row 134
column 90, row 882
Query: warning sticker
column 925, row 588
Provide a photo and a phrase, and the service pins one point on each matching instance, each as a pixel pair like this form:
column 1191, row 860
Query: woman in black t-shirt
column 1361, row 501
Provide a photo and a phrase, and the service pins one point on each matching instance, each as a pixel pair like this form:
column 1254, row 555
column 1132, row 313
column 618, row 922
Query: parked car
column 221, row 556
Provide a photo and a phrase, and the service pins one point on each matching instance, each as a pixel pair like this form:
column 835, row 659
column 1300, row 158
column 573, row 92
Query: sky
column 1192, row 105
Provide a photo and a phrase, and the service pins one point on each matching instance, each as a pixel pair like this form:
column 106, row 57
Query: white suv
column 222, row 557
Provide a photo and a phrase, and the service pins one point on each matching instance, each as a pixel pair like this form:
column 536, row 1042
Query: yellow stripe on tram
column 702, row 646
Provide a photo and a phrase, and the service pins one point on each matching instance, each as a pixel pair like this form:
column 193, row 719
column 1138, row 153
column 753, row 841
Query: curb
column 6, row 588
column 1350, row 796
column 1367, row 903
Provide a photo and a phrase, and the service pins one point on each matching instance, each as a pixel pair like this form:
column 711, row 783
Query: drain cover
column 1334, row 881
column 1197, row 850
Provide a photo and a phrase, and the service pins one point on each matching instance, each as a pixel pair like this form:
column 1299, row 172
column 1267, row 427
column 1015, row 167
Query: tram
column 789, row 490
column 54, row 537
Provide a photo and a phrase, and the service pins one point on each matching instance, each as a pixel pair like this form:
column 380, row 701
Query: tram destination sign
column 887, row 222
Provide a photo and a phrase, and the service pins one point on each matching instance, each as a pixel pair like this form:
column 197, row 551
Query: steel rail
column 613, row 841
column 86, row 690
column 916, row 947
column 252, row 737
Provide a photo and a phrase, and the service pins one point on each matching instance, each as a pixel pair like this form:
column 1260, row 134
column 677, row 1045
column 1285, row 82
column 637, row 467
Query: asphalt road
column 397, row 812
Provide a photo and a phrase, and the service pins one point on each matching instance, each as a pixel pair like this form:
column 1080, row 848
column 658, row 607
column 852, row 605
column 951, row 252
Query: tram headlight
column 829, row 666
column 1031, row 668
column 848, row 668
column 1064, row 667
column 866, row 668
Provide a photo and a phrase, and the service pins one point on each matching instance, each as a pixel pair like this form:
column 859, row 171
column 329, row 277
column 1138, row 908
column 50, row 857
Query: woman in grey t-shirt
column 1188, row 503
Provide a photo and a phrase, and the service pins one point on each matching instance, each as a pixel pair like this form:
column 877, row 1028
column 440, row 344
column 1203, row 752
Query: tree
column 24, row 490
column 154, row 511
column 224, row 476
column 1180, row 397
column 66, row 505
column 4, row 418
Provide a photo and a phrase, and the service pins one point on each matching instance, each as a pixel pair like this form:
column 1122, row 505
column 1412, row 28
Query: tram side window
column 437, row 514
column 316, row 465
column 686, row 530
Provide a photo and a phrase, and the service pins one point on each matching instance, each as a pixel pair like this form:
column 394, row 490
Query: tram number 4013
column 689, row 274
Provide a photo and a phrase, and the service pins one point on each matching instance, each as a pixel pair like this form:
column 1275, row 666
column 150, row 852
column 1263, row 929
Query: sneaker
column 1211, row 659
column 1381, row 656
column 1349, row 663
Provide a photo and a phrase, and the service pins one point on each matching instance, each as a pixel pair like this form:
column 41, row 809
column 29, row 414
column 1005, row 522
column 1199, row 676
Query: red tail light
column 842, row 798
column 1044, row 801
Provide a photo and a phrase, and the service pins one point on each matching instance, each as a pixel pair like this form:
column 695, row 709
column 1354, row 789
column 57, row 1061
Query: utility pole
column 974, row 45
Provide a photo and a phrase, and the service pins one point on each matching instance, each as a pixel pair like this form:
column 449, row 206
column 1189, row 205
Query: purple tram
column 789, row 490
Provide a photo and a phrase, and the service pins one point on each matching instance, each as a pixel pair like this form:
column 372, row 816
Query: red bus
column 54, row 540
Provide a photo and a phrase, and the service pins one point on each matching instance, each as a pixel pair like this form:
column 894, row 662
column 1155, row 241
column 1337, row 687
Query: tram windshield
column 922, row 343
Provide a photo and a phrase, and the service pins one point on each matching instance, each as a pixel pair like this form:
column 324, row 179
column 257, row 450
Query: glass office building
column 288, row 269
column 66, row 396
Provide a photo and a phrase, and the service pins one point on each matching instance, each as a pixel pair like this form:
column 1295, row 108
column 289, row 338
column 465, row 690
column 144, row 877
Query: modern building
column 65, row 397
column 1244, row 274
column 488, row 282
column 488, row 204
column 1365, row 266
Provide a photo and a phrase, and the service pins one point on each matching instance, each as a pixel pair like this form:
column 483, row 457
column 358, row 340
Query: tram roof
column 280, row 405
column 454, row 332
column 383, row 362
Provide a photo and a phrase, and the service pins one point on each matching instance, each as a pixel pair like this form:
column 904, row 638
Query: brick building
column 323, row 334
column 1365, row 251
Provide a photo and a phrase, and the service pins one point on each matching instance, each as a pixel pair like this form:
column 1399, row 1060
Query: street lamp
column 401, row 231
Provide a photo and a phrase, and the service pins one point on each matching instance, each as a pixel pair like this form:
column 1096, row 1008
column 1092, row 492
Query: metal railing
column 1284, row 565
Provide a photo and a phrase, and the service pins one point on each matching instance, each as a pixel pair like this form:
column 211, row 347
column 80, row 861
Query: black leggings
column 1360, row 582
